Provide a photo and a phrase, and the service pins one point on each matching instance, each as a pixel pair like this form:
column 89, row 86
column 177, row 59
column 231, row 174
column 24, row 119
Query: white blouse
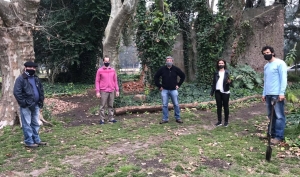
column 219, row 85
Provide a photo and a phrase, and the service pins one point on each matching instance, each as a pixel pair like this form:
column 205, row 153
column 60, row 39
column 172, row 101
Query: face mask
column 169, row 64
column 106, row 64
column 30, row 72
column 268, row 56
column 221, row 66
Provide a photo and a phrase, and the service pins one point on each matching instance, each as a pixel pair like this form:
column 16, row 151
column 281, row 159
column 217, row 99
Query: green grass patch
column 141, row 147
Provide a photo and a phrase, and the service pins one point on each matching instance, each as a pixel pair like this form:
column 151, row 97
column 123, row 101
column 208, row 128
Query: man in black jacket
column 29, row 94
column 169, row 87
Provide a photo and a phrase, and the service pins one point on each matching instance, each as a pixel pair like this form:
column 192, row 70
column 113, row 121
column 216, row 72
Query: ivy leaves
column 156, row 34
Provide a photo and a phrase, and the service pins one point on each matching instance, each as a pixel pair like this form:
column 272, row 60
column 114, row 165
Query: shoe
column 101, row 122
column 226, row 124
column 179, row 121
column 31, row 145
column 275, row 141
column 163, row 122
column 113, row 121
column 42, row 143
column 218, row 124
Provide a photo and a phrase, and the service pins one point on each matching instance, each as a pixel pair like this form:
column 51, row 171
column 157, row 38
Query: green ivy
column 212, row 31
column 156, row 34
column 71, row 36
column 183, row 10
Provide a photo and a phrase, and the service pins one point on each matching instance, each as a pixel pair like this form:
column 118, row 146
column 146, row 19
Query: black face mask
column 30, row 72
column 106, row 64
column 268, row 56
column 221, row 66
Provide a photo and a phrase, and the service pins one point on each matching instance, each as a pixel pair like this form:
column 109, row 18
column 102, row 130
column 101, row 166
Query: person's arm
column 213, row 85
column 116, row 84
column 182, row 77
column 264, row 90
column 156, row 78
column 283, row 80
column 18, row 93
column 97, row 83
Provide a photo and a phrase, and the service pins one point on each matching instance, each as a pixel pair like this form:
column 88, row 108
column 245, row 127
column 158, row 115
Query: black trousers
column 222, row 100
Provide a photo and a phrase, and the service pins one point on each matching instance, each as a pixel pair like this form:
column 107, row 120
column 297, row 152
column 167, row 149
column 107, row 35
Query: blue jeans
column 278, row 121
column 30, row 124
column 165, row 100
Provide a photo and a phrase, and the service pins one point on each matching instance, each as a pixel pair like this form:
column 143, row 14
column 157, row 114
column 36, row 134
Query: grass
column 146, row 149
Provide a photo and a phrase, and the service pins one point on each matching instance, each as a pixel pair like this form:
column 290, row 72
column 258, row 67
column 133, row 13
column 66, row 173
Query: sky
column 215, row 9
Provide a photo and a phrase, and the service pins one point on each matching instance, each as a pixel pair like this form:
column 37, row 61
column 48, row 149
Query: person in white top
column 220, row 88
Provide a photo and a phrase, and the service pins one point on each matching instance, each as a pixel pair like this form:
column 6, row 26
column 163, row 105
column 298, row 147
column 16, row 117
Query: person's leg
column 35, row 124
column 110, row 105
column 165, row 100
column 174, row 98
column 225, row 98
column 269, row 111
column 26, row 122
column 279, row 120
column 103, row 101
column 219, row 105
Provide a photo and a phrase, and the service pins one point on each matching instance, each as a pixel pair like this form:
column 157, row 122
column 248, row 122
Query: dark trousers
column 222, row 99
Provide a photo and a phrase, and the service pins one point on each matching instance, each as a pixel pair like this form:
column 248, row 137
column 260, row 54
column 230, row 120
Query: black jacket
column 215, row 80
column 169, row 77
column 24, row 93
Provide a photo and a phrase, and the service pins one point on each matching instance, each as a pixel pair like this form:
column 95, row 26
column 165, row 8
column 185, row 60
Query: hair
column 266, row 48
column 169, row 57
column 106, row 57
column 217, row 64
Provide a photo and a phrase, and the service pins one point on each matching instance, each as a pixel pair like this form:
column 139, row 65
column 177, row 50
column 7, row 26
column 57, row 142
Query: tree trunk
column 16, row 46
column 142, row 109
column 120, row 13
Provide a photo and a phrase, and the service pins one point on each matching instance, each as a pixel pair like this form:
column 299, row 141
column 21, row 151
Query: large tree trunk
column 120, row 13
column 16, row 46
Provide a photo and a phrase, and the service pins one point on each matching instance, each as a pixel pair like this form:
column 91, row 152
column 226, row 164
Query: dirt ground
column 75, row 110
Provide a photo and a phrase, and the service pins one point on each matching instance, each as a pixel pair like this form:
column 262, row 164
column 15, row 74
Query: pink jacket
column 106, row 80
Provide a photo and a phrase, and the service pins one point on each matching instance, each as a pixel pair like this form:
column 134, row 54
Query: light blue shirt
column 275, row 78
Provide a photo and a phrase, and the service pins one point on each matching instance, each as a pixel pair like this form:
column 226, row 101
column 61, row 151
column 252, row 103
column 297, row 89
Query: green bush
column 293, row 77
column 243, row 76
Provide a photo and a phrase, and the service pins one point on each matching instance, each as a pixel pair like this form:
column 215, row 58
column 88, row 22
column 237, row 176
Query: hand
column 281, row 98
column 228, row 81
column 177, row 87
column 161, row 88
column 98, row 95
column 117, row 94
column 263, row 98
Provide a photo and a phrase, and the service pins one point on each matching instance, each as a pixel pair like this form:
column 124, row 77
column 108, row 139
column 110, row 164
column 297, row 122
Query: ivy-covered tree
column 70, row 40
column 156, row 34
column 212, row 33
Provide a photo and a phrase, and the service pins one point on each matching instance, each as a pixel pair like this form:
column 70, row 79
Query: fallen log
column 142, row 109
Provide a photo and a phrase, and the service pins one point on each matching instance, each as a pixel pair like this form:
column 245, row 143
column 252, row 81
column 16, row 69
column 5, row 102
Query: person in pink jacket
column 106, row 85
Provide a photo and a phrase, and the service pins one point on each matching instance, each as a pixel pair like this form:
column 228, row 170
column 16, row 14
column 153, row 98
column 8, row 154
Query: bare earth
column 76, row 110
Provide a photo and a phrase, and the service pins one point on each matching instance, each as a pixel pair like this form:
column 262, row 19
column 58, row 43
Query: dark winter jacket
column 215, row 80
column 24, row 93
column 169, row 77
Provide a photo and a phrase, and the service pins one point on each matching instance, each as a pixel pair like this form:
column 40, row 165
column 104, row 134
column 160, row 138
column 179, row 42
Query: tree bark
column 17, row 20
column 142, row 109
column 120, row 13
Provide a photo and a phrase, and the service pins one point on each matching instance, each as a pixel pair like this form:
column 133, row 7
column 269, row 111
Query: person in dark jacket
column 220, row 87
column 169, row 87
column 29, row 94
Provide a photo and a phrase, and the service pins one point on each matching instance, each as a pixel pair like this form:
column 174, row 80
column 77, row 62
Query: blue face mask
column 169, row 64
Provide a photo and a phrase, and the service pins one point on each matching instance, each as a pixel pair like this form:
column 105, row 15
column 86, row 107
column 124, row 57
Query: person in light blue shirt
column 275, row 82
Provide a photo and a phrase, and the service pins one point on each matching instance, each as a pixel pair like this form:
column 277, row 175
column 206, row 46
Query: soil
column 74, row 111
